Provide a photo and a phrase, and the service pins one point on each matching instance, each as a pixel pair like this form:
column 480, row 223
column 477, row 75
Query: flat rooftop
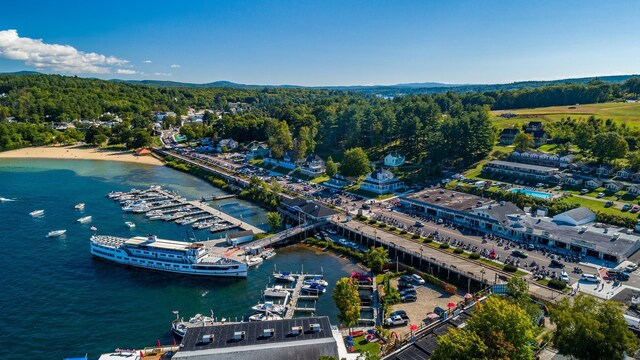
column 449, row 199
column 223, row 335
column 521, row 165
column 159, row 243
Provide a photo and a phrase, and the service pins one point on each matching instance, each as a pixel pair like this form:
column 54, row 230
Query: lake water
column 57, row 300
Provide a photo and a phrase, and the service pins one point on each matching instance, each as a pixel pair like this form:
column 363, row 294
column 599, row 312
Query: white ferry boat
column 165, row 255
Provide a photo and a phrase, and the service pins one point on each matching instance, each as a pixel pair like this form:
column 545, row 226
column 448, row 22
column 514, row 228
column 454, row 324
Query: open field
column 624, row 112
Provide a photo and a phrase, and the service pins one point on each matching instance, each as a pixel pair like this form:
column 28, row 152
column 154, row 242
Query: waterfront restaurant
column 573, row 231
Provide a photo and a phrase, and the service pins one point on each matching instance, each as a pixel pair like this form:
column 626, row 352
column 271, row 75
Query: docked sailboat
column 270, row 307
column 314, row 288
column 264, row 317
column 317, row 280
column 165, row 255
column 84, row 219
column 56, row 233
column 37, row 213
column 284, row 276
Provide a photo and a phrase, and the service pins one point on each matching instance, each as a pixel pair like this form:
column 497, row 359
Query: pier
column 238, row 223
column 297, row 295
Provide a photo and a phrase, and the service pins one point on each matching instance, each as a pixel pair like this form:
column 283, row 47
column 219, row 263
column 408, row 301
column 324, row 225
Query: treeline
column 18, row 135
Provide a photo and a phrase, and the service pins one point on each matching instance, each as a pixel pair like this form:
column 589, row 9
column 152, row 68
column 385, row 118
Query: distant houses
column 507, row 136
column 536, row 130
column 393, row 160
column 227, row 145
column 381, row 181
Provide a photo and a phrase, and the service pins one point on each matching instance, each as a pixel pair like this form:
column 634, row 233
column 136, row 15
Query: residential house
column 573, row 180
column 257, row 151
column 287, row 161
column 588, row 168
column 381, row 182
column 313, row 166
column 393, row 160
column 338, row 181
column 624, row 173
column 633, row 189
column 614, row 185
column 520, row 171
column 566, row 160
column 533, row 126
column 227, row 144
column 507, row 136
column 635, row 177
column 593, row 184
column 536, row 130
column 604, row 171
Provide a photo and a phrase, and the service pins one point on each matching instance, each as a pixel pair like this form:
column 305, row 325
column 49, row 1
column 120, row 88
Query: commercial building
column 520, row 171
column 305, row 210
column 299, row 339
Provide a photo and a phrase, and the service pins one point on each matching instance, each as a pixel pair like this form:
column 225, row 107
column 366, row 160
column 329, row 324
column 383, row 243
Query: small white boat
column 155, row 217
column 264, row 317
column 180, row 327
column 284, row 276
column 36, row 212
column 79, row 206
column 314, row 288
column 268, row 254
column 56, row 233
column 84, row 219
column 130, row 224
column 277, row 291
column 256, row 260
column 270, row 307
column 5, row 199
column 317, row 280
column 93, row 228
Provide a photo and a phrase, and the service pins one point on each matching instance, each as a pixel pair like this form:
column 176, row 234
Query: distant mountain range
column 382, row 90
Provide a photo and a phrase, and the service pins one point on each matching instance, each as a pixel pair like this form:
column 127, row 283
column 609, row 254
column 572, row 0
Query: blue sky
column 322, row 42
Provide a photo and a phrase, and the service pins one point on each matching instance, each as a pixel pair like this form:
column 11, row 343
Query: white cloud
column 126, row 72
column 175, row 66
column 162, row 74
column 147, row 61
column 57, row 57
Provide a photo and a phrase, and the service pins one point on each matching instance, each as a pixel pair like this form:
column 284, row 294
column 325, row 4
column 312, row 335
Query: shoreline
column 75, row 152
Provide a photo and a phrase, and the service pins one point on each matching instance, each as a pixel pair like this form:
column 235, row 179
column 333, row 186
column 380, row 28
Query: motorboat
column 314, row 288
column 269, row 306
column 277, row 291
column 155, row 217
column 56, row 233
column 264, row 317
column 79, row 206
column 284, row 276
column 256, row 260
column 93, row 228
column 84, row 219
column 5, row 199
column 130, row 224
column 154, row 213
column 317, row 280
column 180, row 327
column 268, row 254
column 37, row 213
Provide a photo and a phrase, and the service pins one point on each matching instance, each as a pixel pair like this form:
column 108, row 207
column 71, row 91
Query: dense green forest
column 435, row 130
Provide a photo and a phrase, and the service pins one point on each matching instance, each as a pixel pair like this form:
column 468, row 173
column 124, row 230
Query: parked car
column 409, row 298
column 600, row 194
column 634, row 208
column 407, row 292
column 519, row 253
column 401, row 313
column 406, row 278
column 438, row 310
column 564, row 277
column 608, row 203
column 584, row 191
column 626, row 207
column 418, row 224
column 631, row 268
column 531, row 247
column 417, row 279
column 618, row 274
column 405, row 285
column 590, row 278
column 396, row 320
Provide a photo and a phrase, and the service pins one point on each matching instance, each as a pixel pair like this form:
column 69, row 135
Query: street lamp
column 421, row 250
column 482, row 272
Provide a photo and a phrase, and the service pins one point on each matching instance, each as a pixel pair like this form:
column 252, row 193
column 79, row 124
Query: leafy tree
column 141, row 139
column 609, row 145
column 279, row 138
column 347, row 300
column 331, row 167
column 518, row 288
column 355, row 163
column 99, row 139
column 376, row 258
column 274, row 220
column 634, row 160
column 523, row 142
column 632, row 86
column 460, row 344
column 587, row 328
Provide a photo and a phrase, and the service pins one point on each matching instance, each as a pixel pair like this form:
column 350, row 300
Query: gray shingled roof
column 578, row 214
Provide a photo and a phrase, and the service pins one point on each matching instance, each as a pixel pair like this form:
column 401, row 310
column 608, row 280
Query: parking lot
column 429, row 296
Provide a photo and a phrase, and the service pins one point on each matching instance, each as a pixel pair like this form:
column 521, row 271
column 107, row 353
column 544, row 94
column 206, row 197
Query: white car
column 396, row 320
column 631, row 268
column 417, row 279
column 564, row 277
column 590, row 278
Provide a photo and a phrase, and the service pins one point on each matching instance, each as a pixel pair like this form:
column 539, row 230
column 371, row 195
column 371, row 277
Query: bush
column 474, row 256
column 415, row 236
column 450, row 289
column 428, row 240
column 458, row 251
column 372, row 222
column 557, row 284
column 382, row 225
column 510, row 268
column 444, row 246
column 402, row 232
column 362, row 217
column 392, row 228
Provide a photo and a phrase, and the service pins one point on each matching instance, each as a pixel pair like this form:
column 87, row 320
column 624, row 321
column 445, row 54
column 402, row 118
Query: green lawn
column 623, row 112
column 598, row 206
column 363, row 346
column 320, row 179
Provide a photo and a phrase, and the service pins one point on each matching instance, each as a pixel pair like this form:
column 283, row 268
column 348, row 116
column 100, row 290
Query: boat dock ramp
column 159, row 203
column 298, row 295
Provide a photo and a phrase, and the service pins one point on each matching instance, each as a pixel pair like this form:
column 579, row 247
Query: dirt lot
column 429, row 297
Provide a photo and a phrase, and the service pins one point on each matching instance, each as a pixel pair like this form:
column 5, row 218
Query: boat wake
column 205, row 293
column 6, row 200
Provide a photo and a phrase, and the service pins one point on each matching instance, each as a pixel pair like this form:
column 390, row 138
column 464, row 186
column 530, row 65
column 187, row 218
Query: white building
column 228, row 144
column 393, row 160
column 381, row 182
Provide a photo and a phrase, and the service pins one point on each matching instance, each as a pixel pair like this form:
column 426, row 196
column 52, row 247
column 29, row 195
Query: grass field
column 628, row 113
column 598, row 206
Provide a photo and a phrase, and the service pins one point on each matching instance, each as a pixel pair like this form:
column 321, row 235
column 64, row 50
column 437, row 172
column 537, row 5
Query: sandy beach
column 78, row 153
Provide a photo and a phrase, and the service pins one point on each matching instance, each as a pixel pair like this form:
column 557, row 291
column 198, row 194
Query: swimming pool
column 537, row 194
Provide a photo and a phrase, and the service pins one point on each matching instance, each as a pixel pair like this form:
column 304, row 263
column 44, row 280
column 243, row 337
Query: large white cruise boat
column 165, row 255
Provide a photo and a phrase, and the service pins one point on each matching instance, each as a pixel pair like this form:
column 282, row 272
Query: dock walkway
column 241, row 224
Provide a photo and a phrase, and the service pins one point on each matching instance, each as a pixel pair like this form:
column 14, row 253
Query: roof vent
column 314, row 327
column 206, row 339
column 238, row 335
column 296, row 330
column 268, row 332
column 438, row 198
column 453, row 194
column 616, row 236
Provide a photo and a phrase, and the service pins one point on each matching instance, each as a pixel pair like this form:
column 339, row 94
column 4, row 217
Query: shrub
column 444, row 246
column 557, row 284
column 372, row 222
column 474, row 256
column 450, row 289
column 427, row 240
column 392, row 228
column 362, row 217
column 458, row 251
column 382, row 225
column 510, row 268
column 415, row 236
column 402, row 232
